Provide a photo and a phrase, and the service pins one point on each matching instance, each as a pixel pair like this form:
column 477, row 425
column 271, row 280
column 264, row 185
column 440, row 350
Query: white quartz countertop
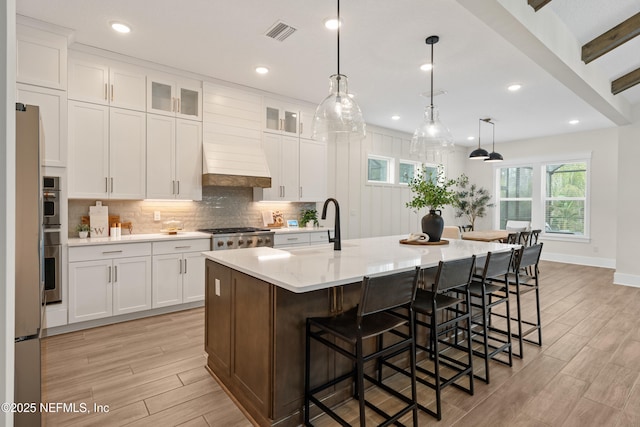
column 138, row 238
column 316, row 267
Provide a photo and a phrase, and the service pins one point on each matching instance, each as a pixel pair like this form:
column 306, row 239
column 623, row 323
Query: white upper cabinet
column 173, row 96
column 107, row 152
column 174, row 158
column 313, row 170
column 306, row 123
column 282, row 156
column 41, row 58
column 53, row 117
column 97, row 80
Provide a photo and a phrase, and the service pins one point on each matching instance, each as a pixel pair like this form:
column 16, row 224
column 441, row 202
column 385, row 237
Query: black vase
column 433, row 224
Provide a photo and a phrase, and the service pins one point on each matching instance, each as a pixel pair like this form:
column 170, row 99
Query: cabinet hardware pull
column 111, row 93
column 115, row 275
column 109, row 281
column 180, row 265
column 112, row 184
column 106, row 184
column 111, row 252
column 281, row 124
column 301, row 128
column 179, row 105
column 292, row 238
column 185, row 266
column 105, row 92
column 173, row 187
column 183, row 247
column 178, row 187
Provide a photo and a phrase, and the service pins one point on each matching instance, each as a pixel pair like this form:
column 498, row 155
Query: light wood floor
column 587, row 373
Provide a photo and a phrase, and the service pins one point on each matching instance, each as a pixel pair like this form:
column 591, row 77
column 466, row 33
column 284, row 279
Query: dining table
column 486, row 235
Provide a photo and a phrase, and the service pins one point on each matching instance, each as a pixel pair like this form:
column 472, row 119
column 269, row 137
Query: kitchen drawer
column 98, row 252
column 179, row 246
column 290, row 239
column 318, row 238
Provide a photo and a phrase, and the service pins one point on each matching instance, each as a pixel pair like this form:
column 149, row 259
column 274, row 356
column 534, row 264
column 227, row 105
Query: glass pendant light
column 493, row 156
column 338, row 117
column 431, row 136
column 479, row 153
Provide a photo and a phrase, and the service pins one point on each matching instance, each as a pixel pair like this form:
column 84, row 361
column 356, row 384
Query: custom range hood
column 234, row 165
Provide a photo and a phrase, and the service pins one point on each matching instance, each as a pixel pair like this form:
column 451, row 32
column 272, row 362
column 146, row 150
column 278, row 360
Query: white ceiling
column 382, row 46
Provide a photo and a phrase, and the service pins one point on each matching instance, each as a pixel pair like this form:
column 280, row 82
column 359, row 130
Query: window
column 516, row 190
column 379, row 169
column 552, row 195
column 407, row 171
column 565, row 198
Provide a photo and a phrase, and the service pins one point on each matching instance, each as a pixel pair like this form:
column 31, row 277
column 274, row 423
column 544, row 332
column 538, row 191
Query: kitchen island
column 257, row 300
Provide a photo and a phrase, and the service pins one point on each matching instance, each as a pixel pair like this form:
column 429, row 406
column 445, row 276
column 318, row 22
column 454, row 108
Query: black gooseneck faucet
column 336, row 226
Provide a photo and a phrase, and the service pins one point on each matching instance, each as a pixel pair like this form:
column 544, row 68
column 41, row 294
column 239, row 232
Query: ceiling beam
column 625, row 82
column 610, row 40
column 538, row 4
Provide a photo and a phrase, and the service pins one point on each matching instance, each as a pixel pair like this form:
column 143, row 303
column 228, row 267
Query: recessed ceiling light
column 332, row 23
column 514, row 87
column 262, row 70
column 395, row 117
column 471, row 138
column 574, row 122
column 120, row 27
column 426, row 67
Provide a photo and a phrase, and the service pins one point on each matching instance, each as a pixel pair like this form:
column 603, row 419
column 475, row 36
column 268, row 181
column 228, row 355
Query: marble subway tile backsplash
column 220, row 207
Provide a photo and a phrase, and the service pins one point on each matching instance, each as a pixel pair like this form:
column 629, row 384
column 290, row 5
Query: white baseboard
column 581, row 260
column 626, row 279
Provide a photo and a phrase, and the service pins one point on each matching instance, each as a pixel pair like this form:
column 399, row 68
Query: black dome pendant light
column 493, row 156
column 479, row 153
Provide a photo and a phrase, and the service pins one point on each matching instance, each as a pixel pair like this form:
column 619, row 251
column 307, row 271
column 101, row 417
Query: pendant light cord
column 338, row 41
column 432, row 79
column 479, row 132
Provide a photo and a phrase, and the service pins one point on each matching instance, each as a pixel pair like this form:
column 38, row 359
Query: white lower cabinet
column 109, row 280
column 178, row 271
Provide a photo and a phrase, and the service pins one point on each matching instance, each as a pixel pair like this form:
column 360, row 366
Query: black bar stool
column 491, row 288
column 372, row 318
column 443, row 316
column 522, row 280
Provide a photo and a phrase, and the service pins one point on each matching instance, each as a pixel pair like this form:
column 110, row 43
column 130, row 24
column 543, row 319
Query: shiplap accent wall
column 368, row 210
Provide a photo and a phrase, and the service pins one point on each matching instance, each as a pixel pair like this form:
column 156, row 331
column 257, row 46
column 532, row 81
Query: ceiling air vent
column 280, row 31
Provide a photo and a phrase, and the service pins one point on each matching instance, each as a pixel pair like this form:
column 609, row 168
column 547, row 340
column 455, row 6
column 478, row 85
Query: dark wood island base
column 254, row 337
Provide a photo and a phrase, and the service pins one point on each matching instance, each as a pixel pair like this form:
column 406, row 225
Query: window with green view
column 565, row 198
column 516, row 192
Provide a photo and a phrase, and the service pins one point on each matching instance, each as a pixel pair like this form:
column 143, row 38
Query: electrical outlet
column 156, row 215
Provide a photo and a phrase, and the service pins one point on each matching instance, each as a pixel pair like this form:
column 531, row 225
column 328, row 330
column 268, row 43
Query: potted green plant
column 309, row 217
column 472, row 201
column 432, row 192
column 83, row 230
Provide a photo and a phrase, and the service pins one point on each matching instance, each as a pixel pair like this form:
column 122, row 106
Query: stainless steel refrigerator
column 29, row 255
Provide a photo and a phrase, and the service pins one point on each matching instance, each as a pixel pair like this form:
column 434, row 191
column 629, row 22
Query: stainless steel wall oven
column 52, row 266
column 51, row 202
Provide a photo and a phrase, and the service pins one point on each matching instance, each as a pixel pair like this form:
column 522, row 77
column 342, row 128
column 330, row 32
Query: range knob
column 220, row 243
column 259, row 240
column 240, row 242
column 268, row 239
column 229, row 242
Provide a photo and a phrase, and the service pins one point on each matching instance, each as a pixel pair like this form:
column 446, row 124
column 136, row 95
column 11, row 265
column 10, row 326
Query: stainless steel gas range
column 240, row 237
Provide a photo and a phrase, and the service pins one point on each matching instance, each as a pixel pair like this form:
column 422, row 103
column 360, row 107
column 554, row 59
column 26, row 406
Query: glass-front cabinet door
column 281, row 119
column 162, row 98
column 177, row 98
